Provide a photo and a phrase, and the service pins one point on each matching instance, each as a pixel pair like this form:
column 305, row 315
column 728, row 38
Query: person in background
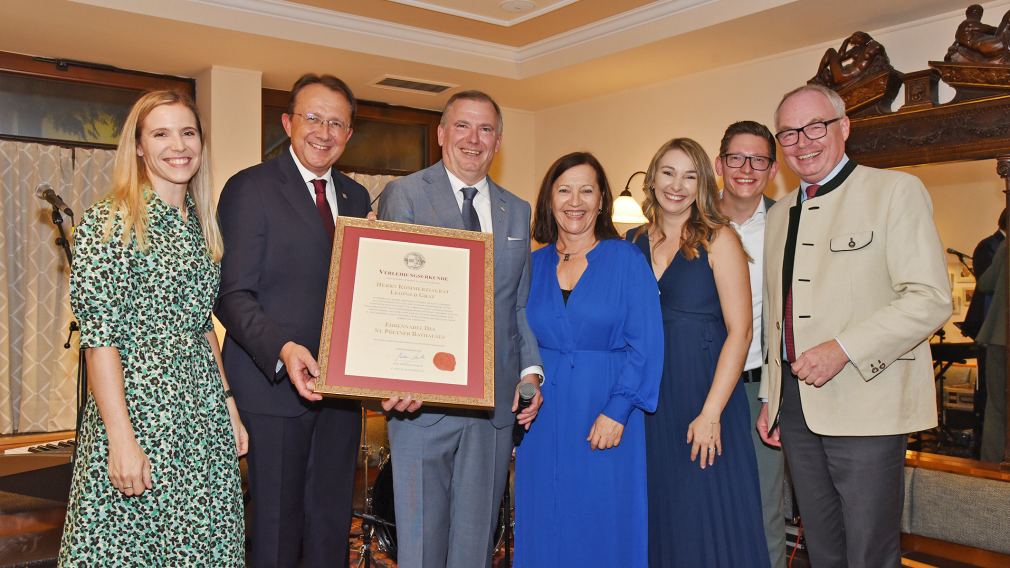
column 981, row 258
column 278, row 219
column 855, row 283
column 594, row 308
column 698, row 445
column 156, row 481
column 992, row 336
column 747, row 163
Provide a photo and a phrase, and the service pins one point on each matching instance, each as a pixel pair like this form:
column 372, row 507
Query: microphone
column 45, row 192
column 958, row 254
column 526, row 393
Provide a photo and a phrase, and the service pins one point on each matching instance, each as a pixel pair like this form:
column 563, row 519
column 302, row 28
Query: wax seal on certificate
column 444, row 361
column 414, row 260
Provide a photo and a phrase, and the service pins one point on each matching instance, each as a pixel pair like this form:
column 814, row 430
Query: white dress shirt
column 481, row 201
column 307, row 176
column 752, row 233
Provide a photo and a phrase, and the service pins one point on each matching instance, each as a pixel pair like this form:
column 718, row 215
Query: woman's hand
column 237, row 428
column 605, row 434
column 703, row 433
column 129, row 468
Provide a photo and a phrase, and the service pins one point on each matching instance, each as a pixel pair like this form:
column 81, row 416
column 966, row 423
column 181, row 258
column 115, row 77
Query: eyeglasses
column 813, row 131
column 315, row 121
column 757, row 163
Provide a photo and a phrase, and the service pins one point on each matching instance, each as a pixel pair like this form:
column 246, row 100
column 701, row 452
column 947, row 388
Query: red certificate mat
column 409, row 311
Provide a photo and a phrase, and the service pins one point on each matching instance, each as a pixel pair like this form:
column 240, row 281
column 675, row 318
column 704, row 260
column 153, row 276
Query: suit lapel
column 294, row 190
column 499, row 216
column 343, row 203
column 440, row 198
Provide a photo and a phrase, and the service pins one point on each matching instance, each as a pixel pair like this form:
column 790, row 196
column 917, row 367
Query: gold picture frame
column 409, row 311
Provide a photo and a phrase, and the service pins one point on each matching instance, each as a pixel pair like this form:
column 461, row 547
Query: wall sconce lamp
column 626, row 209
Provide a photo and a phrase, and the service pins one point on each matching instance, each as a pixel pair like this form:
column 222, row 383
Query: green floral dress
column 154, row 307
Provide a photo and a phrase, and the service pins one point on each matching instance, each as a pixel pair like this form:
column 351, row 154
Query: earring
column 600, row 210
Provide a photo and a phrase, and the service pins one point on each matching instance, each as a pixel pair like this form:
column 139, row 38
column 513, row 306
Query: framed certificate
column 409, row 311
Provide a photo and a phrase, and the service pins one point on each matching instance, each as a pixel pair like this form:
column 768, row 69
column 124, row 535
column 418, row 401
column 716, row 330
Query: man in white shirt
column 747, row 163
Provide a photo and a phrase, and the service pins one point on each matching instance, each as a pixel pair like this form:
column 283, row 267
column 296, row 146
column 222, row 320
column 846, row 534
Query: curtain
column 374, row 184
column 37, row 375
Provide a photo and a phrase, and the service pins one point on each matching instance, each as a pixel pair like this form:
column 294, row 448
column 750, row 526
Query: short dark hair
column 328, row 81
column 473, row 95
column 748, row 127
column 545, row 228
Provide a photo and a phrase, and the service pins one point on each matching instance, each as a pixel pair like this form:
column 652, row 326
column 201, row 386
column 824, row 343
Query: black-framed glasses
column 315, row 121
column 757, row 163
column 813, row 131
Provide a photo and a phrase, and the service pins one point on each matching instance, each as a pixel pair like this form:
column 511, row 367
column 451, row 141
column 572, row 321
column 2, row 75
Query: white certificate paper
column 413, row 324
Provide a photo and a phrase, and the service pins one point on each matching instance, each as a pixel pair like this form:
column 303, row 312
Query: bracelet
column 228, row 394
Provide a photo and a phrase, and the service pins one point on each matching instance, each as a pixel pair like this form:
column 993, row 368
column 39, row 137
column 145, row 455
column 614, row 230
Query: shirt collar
column 308, row 176
column 759, row 212
column 157, row 209
column 458, row 184
column 831, row 175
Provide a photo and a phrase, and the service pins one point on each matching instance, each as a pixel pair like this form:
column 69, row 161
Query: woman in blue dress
column 594, row 307
column 704, row 500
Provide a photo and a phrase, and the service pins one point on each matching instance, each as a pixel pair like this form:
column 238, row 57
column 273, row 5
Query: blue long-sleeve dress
column 602, row 353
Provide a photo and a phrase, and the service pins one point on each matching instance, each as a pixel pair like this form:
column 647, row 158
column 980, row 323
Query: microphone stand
column 82, row 368
column 960, row 258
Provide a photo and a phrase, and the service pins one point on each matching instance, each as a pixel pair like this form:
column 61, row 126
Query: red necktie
column 788, row 317
column 323, row 206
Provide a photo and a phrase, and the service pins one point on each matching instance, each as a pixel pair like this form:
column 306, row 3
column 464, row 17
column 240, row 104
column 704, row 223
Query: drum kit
column 378, row 517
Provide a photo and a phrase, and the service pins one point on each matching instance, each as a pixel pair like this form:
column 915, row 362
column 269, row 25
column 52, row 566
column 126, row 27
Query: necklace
column 566, row 256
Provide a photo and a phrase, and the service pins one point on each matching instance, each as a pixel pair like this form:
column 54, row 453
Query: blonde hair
column 129, row 178
column 705, row 219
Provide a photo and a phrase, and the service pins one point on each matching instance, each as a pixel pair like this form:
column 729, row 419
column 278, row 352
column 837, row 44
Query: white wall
column 625, row 129
column 230, row 102
column 515, row 167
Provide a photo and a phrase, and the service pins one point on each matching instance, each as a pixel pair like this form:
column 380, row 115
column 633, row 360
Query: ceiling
column 559, row 52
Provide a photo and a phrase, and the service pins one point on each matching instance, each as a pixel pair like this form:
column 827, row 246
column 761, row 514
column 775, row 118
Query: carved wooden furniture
column 975, row 125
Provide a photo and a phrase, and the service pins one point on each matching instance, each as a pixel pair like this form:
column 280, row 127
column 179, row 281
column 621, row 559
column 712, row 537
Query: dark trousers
column 850, row 489
column 301, row 480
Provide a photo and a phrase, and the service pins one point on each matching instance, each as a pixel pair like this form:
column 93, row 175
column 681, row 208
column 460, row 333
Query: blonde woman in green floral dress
column 156, row 481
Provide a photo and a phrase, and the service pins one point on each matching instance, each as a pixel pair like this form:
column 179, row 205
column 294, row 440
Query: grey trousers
column 850, row 489
column 771, row 473
column 448, row 481
column 994, row 427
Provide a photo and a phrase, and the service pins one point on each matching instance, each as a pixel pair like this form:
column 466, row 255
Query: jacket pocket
column 850, row 241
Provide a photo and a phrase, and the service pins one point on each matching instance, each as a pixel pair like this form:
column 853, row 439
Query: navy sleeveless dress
column 709, row 517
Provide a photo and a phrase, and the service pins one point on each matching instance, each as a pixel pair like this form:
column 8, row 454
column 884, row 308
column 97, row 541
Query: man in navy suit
column 277, row 221
column 450, row 466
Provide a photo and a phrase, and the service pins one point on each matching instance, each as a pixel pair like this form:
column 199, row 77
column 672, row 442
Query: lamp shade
column 627, row 210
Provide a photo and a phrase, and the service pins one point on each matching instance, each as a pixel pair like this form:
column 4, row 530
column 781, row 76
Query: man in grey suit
column 450, row 467
column 747, row 163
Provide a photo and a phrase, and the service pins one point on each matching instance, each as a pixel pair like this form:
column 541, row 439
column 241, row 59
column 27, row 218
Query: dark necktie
column 323, row 206
column 788, row 316
column 470, row 220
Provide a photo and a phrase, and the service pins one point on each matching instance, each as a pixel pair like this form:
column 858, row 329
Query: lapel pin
column 344, row 195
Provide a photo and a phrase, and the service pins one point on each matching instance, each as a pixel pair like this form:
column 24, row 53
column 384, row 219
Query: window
column 387, row 139
column 71, row 103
